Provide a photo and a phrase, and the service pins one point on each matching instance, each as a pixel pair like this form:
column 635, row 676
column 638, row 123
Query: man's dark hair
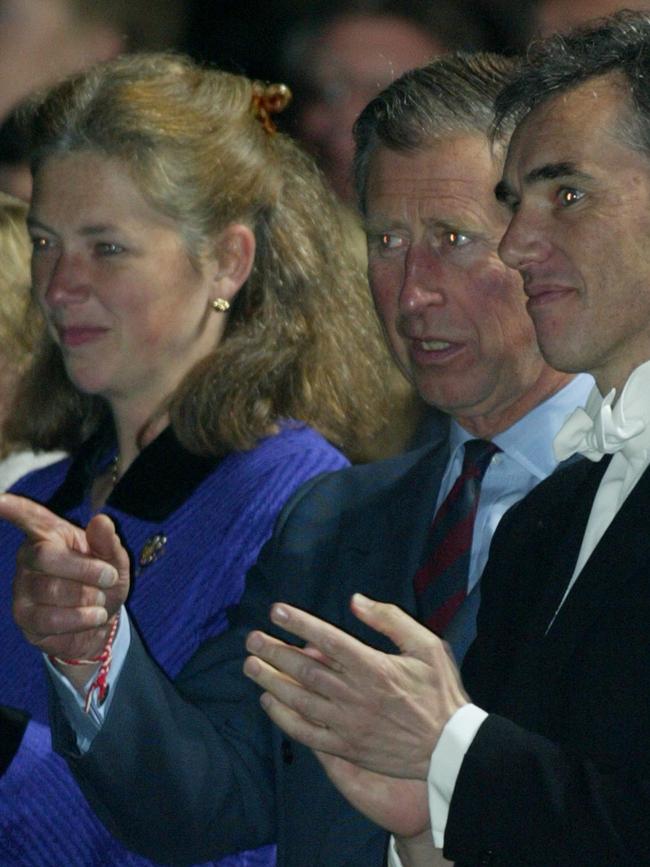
column 618, row 45
column 451, row 95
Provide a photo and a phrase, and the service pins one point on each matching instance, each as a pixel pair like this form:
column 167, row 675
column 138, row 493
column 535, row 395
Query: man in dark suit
column 187, row 771
column 550, row 762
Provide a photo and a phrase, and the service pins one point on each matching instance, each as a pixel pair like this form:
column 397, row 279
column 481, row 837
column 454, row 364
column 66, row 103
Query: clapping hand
column 379, row 713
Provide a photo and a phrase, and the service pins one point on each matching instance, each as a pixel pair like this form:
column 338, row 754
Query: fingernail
column 107, row 577
column 101, row 615
column 249, row 668
column 254, row 642
column 279, row 613
column 362, row 601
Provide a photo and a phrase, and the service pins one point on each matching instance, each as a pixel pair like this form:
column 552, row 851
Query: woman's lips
column 78, row 335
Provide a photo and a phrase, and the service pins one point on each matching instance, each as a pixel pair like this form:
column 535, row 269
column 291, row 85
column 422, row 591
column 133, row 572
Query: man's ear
column 233, row 260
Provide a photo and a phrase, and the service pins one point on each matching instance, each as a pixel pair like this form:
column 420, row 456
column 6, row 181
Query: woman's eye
column 40, row 244
column 569, row 196
column 108, row 248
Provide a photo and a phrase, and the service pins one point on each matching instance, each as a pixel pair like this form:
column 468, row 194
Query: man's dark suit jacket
column 559, row 774
column 186, row 778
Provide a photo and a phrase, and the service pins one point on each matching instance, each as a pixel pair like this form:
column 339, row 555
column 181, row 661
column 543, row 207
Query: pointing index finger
column 37, row 522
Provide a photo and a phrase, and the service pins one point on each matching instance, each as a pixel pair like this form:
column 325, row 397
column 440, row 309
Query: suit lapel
column 388, row 546
column 561, row 527
column 603, row 573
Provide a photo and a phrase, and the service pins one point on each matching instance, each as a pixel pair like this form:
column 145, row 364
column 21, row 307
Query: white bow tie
column 601, row 428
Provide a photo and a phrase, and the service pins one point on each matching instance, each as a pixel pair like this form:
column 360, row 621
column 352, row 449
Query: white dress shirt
column 525, row 459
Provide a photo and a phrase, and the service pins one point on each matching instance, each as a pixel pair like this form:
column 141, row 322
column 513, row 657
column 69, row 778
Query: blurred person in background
column 15, row 176
column 559, row 16
column 340, row 54
column 199, row 333
column 20, row 326
column 15, row 254
column 42, row 41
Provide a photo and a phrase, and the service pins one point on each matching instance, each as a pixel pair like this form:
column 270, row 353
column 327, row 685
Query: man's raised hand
column 383, row 712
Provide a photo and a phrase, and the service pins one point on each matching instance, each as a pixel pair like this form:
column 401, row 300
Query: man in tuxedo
column 188, row 771
column 549, row 763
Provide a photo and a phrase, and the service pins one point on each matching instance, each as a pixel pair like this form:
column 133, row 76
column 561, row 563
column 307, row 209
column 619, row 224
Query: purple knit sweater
column 215, row 516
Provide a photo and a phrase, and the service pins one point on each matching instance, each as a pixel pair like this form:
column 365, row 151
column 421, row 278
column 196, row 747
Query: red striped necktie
column 441, row 582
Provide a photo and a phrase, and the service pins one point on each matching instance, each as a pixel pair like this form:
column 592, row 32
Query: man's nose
column 423, row 281
column 525, row 241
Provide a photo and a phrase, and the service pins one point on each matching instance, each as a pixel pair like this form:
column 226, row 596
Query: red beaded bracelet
column 105, row 658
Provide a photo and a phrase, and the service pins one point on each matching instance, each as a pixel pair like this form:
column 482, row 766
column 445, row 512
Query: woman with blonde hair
column 209, row 341
column 15, row 251
column 20, row 328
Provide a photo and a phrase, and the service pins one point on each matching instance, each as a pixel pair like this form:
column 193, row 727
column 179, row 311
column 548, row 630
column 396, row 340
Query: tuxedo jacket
column 559, row 774
column 190, row 771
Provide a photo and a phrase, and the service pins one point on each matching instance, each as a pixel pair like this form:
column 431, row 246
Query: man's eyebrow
column 551, row 171
column 548, row 172
column 380, row 223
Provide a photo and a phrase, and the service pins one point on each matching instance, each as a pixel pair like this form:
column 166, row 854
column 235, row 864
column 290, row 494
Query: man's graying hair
column 618, row 45
column 451, row 95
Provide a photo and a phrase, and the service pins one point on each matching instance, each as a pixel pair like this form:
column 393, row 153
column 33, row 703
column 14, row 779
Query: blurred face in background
column 42, row 41
column 558, row 16
column 354, row 58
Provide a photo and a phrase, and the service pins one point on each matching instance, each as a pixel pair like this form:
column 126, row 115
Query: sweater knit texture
column 215, row 515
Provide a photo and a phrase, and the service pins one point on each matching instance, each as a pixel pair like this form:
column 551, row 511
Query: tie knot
column 478, row 454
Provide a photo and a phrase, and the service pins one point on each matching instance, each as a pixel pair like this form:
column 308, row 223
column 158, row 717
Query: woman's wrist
column 89, row 674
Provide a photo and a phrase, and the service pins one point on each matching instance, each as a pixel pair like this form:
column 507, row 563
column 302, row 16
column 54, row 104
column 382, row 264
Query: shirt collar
column 529, row 441
column 612, row 423
column 158, row 482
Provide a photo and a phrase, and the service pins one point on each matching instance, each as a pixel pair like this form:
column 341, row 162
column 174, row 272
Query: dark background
column 246, row 35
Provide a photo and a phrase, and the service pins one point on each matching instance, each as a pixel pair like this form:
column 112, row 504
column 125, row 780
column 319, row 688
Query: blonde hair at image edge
column 20, row 322
column 301, row 340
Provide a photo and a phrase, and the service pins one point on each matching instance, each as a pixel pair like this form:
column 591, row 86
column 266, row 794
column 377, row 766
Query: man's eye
column 456, row 239
column 568, row 196
column 388, row 241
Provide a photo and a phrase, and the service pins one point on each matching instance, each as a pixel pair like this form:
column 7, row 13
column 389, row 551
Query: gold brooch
column 152, row 549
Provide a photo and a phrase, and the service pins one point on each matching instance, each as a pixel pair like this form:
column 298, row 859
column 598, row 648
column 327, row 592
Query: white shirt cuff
column 393, row 858
column 87, row 725
column 446, row 760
